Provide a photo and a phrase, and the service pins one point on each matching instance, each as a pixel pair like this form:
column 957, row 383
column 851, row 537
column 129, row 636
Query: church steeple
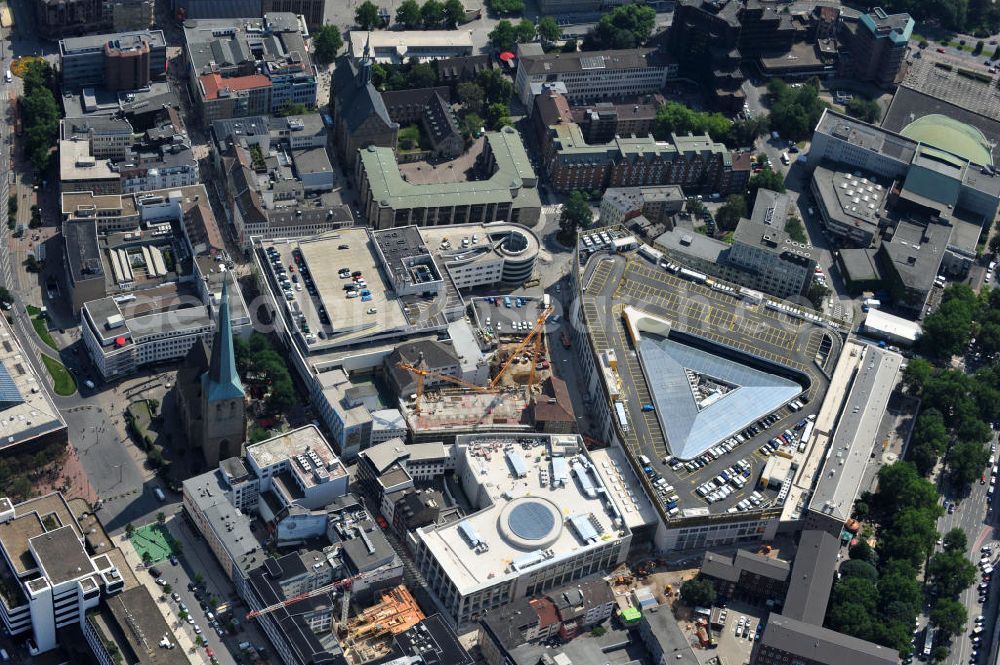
column 365, row 66
column 221, row 380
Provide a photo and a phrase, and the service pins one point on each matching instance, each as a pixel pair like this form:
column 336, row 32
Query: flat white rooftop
column 308, row 454
column 542, row 500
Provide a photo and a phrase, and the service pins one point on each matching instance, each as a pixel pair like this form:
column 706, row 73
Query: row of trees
column 977, row 17
column 956, row 408
column 412, row 16
column 506, row 35
column 625, row 27
column 677, row 118
column 39, row 113
column 432, row 14
column 878, row 596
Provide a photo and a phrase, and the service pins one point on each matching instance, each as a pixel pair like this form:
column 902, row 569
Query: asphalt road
column 973, row 516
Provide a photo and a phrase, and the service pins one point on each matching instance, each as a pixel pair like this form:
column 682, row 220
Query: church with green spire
column 210, row 396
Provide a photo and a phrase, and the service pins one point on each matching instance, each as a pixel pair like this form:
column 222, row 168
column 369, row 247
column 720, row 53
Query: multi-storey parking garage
column 705, row 388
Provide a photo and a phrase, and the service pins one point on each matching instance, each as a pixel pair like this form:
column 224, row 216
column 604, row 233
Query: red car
column 208, row 652
column 381, row 522
column 940, row 50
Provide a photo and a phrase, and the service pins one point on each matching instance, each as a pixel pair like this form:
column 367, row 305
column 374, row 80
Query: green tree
column 503, row 36
column 859, row 568
column 950, row 573
column 918, row 371
column 292, row 108
column 549, row 29
column 471, row 95
column 730, row 213
column 496, row 87
column 367, row 16
column 863, row 109
column 745, row 132
column 497, row 115
column 408, row 14
column 282, row 397
column 472, row 123
column 129, row 530
column 766, row 179
column 698, row 593
column 40, row 113
column 928, row 441
column 526, row 31
column 795, row 230
column 694, row 207
column 454, row 13
column 147, row 558
column 994, row 245
column 676, row 118
column 625, row 27
column 504, row 7
column 795, row 111
column 422, row 75
column 853, row 603
column 949, row 616
column 576, row 212
column 168, row 589
column 947, row 330
column 161, row 517
column 432, row 13
column 862, row 551
column 816, row 294
column 327, row 41
column 966, row 461
column 569, row 46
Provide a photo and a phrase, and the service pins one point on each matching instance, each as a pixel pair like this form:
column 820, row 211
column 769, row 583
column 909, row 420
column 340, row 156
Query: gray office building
column 787, row 641
column 120, row 61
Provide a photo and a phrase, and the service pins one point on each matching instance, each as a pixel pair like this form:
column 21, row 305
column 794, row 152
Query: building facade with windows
column 593, row 75
column 536, row 527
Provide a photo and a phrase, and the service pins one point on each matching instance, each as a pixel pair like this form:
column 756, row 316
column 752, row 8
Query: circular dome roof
column 949, row 134
column 530, row 523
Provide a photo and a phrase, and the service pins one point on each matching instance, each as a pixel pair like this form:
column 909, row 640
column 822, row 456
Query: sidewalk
column 181, row 637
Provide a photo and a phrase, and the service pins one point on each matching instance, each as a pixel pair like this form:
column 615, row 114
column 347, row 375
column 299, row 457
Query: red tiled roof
column 546, row 610
column 213, row 83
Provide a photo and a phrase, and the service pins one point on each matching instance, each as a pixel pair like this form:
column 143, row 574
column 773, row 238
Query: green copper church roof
column 221, row 381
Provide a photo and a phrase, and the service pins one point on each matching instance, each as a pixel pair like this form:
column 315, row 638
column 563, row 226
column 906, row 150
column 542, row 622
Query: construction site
column 520, row 371
column 368, row 635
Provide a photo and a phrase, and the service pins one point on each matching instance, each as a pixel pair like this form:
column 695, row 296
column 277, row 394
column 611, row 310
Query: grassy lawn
column 64, row 382
column 42, row 328
column 32, row 310
column 409, row 138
